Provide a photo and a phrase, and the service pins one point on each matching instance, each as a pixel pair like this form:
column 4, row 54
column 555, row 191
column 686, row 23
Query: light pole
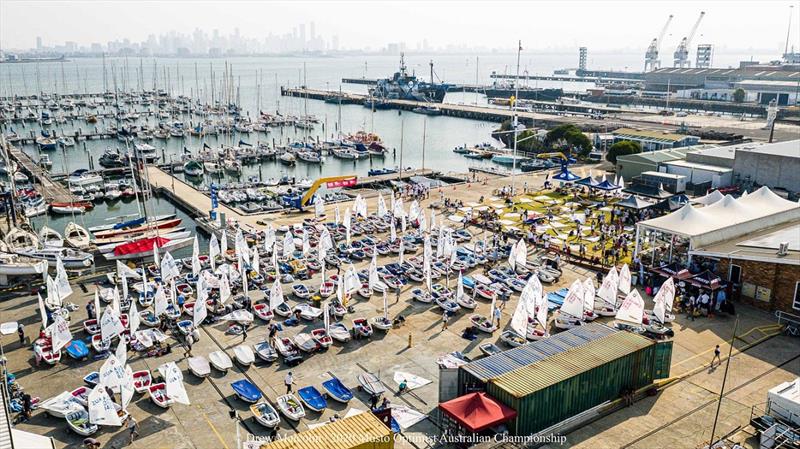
column 516, row 119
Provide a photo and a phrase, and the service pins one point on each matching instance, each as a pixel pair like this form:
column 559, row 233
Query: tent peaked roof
column 606, row 185
column 566, row 176
column 709, row 199
column 588, row 181
column 477, row 411
column 634, row 202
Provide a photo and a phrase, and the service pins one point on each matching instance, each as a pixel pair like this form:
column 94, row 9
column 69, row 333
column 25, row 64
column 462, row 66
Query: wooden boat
column 246, row 391
column 265, row 351
column 321, row 337
column 161, row 225
column 339, row 332
column 312, row 398
column 371, row 384
column 158, row 394
column 265, row 415
column 482, row 323
column 76, row 236
column 220, row 361
column 199, row 366
column 142, row 381
column 337, row 391
column 244, row 355
column 290, row 407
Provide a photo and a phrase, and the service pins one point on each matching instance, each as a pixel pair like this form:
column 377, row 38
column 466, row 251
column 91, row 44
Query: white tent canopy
column 726, row 218
column 709, row 199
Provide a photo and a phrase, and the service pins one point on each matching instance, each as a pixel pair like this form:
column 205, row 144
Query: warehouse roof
column 530, row 379
column 761, row 246
column 699, row 166
column 789, row 148
column 669, row 154
column 727, row 152
column 353, row 431
column 650, row 134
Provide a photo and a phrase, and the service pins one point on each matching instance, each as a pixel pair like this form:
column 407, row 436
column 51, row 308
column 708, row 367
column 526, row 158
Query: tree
column 738, row 95
column 622, row 148
column 568, row 136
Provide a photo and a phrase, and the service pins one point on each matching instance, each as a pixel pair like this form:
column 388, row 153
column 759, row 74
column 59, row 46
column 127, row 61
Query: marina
column 232, row 241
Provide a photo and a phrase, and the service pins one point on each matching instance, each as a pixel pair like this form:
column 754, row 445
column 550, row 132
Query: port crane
column 681, row 56
column 651, row 61
column 299, row 200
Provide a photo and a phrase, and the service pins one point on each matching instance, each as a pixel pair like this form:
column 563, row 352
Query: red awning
column 139, row 246
column 477, row 411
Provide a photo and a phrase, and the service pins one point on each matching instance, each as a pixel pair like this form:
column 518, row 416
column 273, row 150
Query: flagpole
column 515, row 121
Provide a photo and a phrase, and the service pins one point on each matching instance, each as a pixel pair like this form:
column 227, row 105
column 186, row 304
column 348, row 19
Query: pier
column 50, row 189
column 453, row 87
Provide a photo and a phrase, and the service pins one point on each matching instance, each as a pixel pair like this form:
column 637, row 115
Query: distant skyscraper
column 39, row 43
column 302, row 34
column 582, row 55
column 705, row 54
column 312, row 31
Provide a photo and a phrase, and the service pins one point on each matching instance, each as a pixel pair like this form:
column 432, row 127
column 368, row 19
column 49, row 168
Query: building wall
column 768, row 169
column 762, row 278
column 700, row 158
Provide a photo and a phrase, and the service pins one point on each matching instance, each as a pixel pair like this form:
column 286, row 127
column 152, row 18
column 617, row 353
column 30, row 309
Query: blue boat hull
column 77, row 350
column 312, row 398
column 246, row 391
column 337, row 390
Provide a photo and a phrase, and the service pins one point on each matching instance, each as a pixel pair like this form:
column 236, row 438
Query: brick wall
column 780, row 279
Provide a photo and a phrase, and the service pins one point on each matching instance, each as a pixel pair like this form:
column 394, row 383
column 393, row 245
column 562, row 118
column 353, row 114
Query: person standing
column 244, row 333
column 133, row 427
column 288, row 381
column 188, row 347
column 716, row 357
column 497, row 315
column 445, row 317
column 21, row 334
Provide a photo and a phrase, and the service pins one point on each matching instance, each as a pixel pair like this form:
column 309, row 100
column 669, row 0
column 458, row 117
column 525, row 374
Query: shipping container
column 578, row 379
column 362, row 431
column 473, row 376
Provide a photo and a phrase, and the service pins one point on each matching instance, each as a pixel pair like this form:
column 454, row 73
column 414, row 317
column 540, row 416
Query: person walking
column 21, row 334
column 187, row 352
column 288, row 381
column 716, row 357
column 244, row 333
column 133, row 427
column 497, row 315
column 445, row 317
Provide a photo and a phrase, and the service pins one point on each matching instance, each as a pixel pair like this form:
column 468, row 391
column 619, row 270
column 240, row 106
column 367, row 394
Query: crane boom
column 681, row 56
column 663, row 32
column 694, row 29
column 651, row 60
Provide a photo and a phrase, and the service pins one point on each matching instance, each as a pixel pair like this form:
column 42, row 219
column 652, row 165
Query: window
column 735, row 274
column 796, row 301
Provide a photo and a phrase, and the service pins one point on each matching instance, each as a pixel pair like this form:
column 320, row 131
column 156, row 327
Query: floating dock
column 50, row 189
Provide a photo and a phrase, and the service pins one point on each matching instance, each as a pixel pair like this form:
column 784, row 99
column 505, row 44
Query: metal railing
column 790, row 321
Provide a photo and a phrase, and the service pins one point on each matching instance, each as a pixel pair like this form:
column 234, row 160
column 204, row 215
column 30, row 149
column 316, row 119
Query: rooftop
column 727, row 152
column 789, row 148
column 696, row 165
column 663, row 175
column 771, row 83
column 669, row 154
column 761, row 246
column 650, row 134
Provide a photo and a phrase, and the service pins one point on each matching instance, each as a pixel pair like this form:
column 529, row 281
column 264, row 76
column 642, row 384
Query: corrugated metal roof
column 529, row 379
column 493, row 366
column 342, row 434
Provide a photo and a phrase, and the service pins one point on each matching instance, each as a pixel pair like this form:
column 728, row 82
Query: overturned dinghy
column 244, row 355
column 220, row 361
column 199, row 366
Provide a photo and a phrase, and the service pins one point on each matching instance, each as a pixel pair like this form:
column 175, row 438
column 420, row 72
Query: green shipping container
column 561, row 386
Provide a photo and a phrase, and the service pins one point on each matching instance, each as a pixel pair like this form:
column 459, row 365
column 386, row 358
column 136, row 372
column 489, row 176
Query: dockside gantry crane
column 651, row 61
column 681, row 56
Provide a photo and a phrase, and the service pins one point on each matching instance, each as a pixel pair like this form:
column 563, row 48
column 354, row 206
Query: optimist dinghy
column 81, row 395
column 91, row 326
column 265, row 415
column 246, row 391
column 142, row 380
column 283, row 310
column 321, row 337
column 312, row 398
column 220, row 361
column 78, row 421
column 199, row 366
column 59, row 406
column 362, row 326
column 262, row 311
column 287, row 349
column 77, row 349
column 290, row 407
column 158, row 394
column 339, row 332
column 371, row 384
column 244, row 355
column 92, row 378
column 265, row 352
column 512, row 339
column 482, row 323
column 306, row 342
column 99, row 344
column 337, row 391
column 490, row 349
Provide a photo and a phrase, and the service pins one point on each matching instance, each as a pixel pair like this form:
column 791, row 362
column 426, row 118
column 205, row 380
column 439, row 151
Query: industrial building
column 654, row 140
column 360, row 431
column 632, row 165
column 776, row 165
column 548, row 381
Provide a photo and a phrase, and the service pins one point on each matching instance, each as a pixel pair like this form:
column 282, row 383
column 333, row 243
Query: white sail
column 402, row 251
column 663, row 300
column 101, row 408
column 326, row 319
column 133, row 318
column 200, row 312
column 62, row 280
column 122, row 351
column 97, row 308
column 288, row 244
column 110, row 324
column 115, row 301
column 351, row 281
column 413, row 211
column 59, row 332
column 512, row 257
column 306, row 243
column 423, row 223
column 608, row 289
column 392, row 231
column 319, row 206
column 53, row 298
column 347, row 224
column 521, row 254
column 403, row 224
column 573, row 302
column 625, row 279
column 519, row 320
column 539, row 303
column 381, row 206
column 460, row 287
column 224, row 289
column 240, row 245
column 169, row 268
column 160, row 300
column 124, row 282
column 112, row 373
column 340, row 290
column 126, row 389
column 223, row 243
column 213, row 250
column 124, row 270
column 588, row 295
column 269, row 238
column 195, row 257
column 42, row 311
column 337, row 215
column 275, row 295
column 433, row 219
column 255, row 265
column 373, row 271
column 174, row 380
column 632, row 308
column 156, row 257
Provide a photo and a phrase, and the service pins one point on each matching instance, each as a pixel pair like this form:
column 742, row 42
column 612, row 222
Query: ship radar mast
column 402, row 64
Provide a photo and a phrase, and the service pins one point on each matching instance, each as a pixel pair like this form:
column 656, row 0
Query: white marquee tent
column 724, row 219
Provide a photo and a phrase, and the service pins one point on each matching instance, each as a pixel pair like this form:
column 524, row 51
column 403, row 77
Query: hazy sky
column 600, row 25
